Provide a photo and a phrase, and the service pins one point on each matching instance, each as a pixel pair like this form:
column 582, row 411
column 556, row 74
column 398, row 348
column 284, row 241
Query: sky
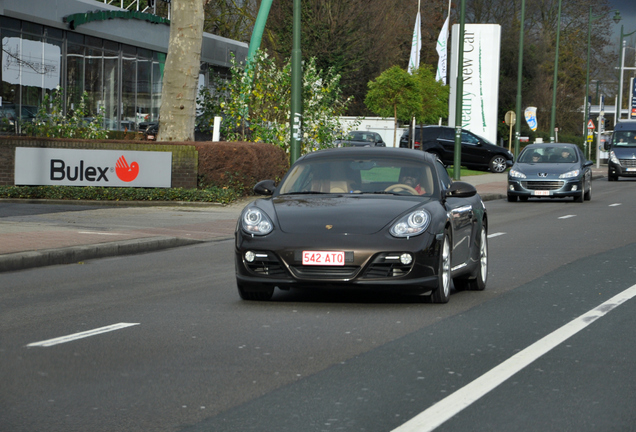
column 628, row 14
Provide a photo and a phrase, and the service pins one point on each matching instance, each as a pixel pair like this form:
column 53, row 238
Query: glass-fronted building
column 113, row 55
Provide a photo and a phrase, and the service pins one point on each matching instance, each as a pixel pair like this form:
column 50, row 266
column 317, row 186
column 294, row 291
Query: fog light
column 406, row 258
column 575, row 187
column 249, row 256
column 511, row 187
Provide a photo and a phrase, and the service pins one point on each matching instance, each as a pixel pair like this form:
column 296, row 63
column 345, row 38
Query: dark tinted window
column 448, row 134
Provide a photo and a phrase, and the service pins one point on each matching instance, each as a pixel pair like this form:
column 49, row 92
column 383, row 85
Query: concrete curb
column 75, row 254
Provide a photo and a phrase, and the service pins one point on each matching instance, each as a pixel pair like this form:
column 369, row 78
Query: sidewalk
column 96, row 230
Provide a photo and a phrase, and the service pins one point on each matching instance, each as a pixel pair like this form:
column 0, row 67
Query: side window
column 448, row 134
column 469, row 138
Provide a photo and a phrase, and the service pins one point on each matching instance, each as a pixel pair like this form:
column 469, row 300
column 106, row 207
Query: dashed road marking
column 85, row 334
column 567, row 216
column 615, row 204
column 496, row 234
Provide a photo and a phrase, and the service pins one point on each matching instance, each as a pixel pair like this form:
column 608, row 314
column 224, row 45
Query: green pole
column 519, row 78
column 259, row 27
column 556, row 71
column 296, row 88
column 459, row 95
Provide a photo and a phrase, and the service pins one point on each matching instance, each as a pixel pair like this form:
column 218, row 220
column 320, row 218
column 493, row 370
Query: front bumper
column 371, row 262
column 549, row 188
column 626, row 168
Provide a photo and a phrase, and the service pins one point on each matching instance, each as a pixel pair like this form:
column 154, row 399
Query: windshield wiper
column 306, row 193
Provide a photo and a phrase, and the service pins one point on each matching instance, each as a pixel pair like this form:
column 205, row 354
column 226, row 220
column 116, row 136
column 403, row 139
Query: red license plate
column 542, row 193
column 323, row 258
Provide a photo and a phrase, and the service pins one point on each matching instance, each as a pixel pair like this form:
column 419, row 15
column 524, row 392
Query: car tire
column 498, row 164
column 588, row 194
column 477, row 280
column 611, row 177
column 442, row 293
column 263, row 294
column 512, row 198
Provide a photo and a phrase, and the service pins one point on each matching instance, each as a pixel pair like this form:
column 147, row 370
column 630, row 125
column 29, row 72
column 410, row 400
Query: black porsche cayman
column 367, row 218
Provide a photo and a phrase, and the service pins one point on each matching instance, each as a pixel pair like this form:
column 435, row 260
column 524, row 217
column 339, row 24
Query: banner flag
column 531, row 117
column 416, row 46
column 441, row 51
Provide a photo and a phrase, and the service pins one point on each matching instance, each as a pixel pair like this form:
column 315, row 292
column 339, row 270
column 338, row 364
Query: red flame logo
column 126, row 172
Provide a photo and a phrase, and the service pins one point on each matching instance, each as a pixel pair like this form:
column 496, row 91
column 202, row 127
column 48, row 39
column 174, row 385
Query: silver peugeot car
column 555, row 170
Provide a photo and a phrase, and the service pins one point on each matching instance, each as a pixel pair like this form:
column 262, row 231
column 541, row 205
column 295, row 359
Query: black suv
column 477, row 152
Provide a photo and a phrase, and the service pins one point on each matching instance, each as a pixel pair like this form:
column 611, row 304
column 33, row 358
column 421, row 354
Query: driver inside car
column 411, row 177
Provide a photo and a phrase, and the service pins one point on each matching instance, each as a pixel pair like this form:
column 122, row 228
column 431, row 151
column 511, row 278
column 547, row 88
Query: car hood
column 350, row 214
column 553, row 170
column 624, row 152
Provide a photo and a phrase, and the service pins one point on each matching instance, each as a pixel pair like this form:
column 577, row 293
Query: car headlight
column 570, row 174
column 412, row 224
column 255, row 221
column 614, row 159
column 516, row 174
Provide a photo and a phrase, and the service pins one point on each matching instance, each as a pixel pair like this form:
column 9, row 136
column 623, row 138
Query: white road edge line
column 496, row 234
column 443, row 410
column 567, row 216
column 99, row 233
column 88, row 333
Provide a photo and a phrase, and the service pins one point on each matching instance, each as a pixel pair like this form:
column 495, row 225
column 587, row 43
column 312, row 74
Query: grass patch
column 464, row 171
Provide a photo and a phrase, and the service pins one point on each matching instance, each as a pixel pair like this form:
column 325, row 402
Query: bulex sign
column 105, row 168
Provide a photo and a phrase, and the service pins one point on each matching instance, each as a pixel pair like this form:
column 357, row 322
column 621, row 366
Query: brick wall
column 185, row 160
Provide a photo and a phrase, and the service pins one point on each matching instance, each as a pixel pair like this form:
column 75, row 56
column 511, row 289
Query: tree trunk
column 181, row 73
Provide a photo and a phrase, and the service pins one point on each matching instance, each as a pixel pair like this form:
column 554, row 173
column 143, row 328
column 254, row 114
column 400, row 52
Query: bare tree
column 181, row 73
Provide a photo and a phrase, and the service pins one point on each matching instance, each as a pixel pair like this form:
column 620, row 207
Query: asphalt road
column 193, row 357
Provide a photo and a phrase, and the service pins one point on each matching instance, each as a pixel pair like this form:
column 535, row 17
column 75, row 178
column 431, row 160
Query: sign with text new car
column 481, row 79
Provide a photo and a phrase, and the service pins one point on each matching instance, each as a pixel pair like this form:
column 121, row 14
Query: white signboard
column 481, row 79
column 105, row 168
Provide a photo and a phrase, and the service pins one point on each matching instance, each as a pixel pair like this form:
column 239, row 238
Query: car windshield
column 624, row 139
column 549, row 154
column 360, row 176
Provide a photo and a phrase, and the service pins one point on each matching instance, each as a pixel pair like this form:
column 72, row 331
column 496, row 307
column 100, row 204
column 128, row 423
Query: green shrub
column 223, row 195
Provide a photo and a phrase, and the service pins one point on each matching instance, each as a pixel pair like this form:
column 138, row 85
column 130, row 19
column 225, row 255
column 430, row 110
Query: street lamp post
column 621, row 49
column 556, row 71
column 617, row 18
column 519, row 79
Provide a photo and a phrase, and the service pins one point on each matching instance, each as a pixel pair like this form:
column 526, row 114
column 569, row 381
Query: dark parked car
column 362, row 139
column 622, row 151
column 203, row 129
column 477, row 152
column 552, row 170
column 363, row 218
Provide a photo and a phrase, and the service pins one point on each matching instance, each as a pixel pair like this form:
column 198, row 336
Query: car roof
column 625, row 125
column 375, row 152
column 544, row 145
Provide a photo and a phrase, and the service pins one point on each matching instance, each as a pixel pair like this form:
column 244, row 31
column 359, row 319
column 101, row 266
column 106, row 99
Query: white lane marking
column 615, row 204
column 567, row 216
column 99, row 233
column 496, row 234
column 85, row 334
column 443, row 410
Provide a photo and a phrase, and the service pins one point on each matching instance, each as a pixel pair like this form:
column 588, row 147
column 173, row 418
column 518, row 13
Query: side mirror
column 460, row 190
column 509, row 163
column 265, row 187
column 606, row 146
column 588, row 163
